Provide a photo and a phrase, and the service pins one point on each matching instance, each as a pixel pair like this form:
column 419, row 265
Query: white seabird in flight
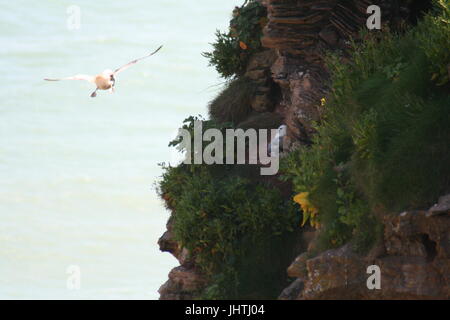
column 105, row 80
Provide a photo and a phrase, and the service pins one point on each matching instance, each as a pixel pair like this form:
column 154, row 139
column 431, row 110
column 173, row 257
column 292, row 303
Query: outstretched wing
column 76, row 77
column 129, row 64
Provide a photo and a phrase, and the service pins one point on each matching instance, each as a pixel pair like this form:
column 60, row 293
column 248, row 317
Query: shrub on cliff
column 433, row 40
column 232, row 226
column 233, row 103
column 232, row 50
column 238, row 226
column 233, row 106
column 383, row 143
column 264, row 120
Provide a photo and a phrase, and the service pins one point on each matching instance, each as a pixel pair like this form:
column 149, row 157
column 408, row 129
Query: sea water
column 77, row 173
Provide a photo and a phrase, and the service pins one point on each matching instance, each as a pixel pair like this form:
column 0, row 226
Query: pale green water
column 76, row 173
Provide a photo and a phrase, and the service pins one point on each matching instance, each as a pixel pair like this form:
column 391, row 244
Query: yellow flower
column 323, row 101
column 302, row 198
column 309, row 211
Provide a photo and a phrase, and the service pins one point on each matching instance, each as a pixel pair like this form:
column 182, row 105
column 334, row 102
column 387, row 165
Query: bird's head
column 282, row 130
column 108, row 73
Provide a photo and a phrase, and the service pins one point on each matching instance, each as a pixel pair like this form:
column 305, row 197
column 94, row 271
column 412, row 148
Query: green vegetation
column 381, row 147
column 265, row 120
column 232, row 50
column 233, row 103
column 434, row 40
column 383, row 143
column 238, row 228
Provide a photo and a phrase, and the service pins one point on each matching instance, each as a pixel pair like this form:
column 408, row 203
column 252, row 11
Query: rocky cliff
column 291, row 79
column 413, row 257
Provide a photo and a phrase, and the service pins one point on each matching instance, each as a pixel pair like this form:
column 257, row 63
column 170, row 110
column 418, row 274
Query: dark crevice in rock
column 430, row 247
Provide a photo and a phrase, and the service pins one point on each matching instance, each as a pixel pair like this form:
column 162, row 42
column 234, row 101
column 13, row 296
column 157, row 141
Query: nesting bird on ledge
column 105, row 80
column 275, row 147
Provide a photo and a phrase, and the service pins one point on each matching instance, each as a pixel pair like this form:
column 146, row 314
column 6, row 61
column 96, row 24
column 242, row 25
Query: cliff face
column 186, row 281
column 291, row 76
column 301, row 32
column 413, row 258
column 414, row 252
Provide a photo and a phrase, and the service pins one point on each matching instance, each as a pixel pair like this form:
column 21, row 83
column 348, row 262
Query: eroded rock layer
column 413, row 259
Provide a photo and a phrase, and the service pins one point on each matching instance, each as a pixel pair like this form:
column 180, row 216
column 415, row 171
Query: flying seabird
column 107, row 79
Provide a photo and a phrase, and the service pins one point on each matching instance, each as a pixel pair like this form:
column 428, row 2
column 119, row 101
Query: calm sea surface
column 76, row 173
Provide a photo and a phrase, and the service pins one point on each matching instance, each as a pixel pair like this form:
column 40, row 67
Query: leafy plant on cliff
column 382, row 144
column 436, row 37
column 233, row 102
column 232, row 50
column 239, row 228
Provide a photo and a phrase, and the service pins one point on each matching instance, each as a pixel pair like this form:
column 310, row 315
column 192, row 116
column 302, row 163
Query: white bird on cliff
column 105, row 80
column 277, row 142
